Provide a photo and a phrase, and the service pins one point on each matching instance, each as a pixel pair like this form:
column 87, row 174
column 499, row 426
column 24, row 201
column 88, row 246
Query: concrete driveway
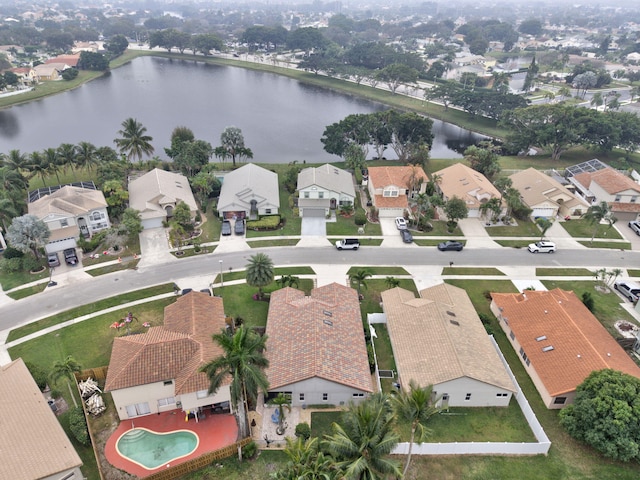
column 388, row 226
column 316, row 227
column 154, row 247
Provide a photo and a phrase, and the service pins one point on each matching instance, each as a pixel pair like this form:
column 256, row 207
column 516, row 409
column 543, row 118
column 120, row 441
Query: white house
column 248, row 192
column 316, row 347
column 33, row 444
column 438, row 339
column 157, row 193
column 69, row 211
column 159, row 370
column 324, row 188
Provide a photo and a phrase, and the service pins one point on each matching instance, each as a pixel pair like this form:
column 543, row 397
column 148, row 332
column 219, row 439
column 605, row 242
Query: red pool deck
column 215, row 432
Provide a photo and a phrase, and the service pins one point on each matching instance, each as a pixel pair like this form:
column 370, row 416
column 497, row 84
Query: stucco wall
column 313, row 389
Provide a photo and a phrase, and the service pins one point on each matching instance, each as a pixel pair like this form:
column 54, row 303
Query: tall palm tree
column 243, row 360
column 65, row 368
column 414, row 407
column 86, row 156
column 18, row 162
column 282, row 402
column 133, row 141
column 259, row 271
column 361, row 443
column 544, row 224
column 359, row 277
column 306, row 462
column 39, row 166
column 53, row 162
column 66, row 157
column 597, row 214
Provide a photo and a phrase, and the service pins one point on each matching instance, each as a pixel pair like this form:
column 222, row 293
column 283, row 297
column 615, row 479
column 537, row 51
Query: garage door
column 391, row 212
column 152, row 223
column 60, row 245
column 313, row 212
column 543, row 212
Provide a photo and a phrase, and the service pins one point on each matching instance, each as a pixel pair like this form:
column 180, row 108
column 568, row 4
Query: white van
column 348, row 244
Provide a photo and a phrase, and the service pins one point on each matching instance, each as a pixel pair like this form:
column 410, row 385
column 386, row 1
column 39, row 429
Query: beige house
column 248, row 192
column 558, row 340
column 547, row 197
column 438, row 339
column 69, row 211
column 322, row 189
column 157, row 193
column 391, row 188
column 465, row 183
column 159, row 370
column 316, row 347
column 49, row 71
column 608, row 185
column 33, row 444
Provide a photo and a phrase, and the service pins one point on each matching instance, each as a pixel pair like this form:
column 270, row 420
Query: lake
column 281, row 118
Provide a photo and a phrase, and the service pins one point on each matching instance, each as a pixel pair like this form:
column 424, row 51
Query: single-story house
column 391, row 187
column 545, row 196
column 608, row 185
column 156, row 193
column 49, row 71
column 438, row 339
column 69, row 60
column 316, row 347
column 33, row 444
column 248, row 192
column 69, row 211
column 558, row 340
column 463, row 182
column 159, row 370
column 324, row 188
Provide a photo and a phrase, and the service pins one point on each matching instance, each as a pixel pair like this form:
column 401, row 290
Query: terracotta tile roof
column 32, row 444
column 460, row 181
column 580, row 343
column 71, row 60
column 391, row 202
column 316, row 336
column 399, row 176
column 610, row 180
column 174, row 351
column 438, row 338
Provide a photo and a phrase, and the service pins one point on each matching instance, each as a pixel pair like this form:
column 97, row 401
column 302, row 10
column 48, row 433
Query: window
column 64, row 222
column 302, row 397
column 391, row 192
column 325, row 397
column 163, row 402
column 618, row 198
column 512, row 336
column 560, row 400
column 467, row 397
column 502, row 394
column 202, row 394
column 306, row 194
column 168, row 382
column 320, row 194
column 95, row 216
column 358, row 395
column 634, row 199
column 267, row 211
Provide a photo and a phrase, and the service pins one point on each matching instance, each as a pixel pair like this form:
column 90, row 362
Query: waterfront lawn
column 583, row 229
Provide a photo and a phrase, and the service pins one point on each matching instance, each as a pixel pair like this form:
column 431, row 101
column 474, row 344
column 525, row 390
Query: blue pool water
column 151, row 450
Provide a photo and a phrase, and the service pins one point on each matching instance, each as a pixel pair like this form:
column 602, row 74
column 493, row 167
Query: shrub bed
column 270, row 222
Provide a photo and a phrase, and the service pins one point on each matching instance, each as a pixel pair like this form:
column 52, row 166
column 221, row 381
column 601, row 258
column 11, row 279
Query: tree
column 182, row 216
column 131, row 221
column 359, row 277
column 493, row 206
column 414, row 407
column 483, row 159
column 544, row 224
column 86, row 156
column 391, row 282
column 93, row 61
column 133, row 141
column 117, row 45
column 306, row 462
column 397, row 73
column 232, row 146
column 532, row 72
column 244, row 362
column 117, row 197
column 283, row 402
column 596, row 100
column 606, row 414
column 363, row 439
column 455, row 209
column 206, row 42
column 596, row 214
column 259, row 271
column 28, row 234
column 288, row 281
column 65, row 368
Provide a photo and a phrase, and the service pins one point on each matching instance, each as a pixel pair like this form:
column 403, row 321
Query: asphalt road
column 63, row 297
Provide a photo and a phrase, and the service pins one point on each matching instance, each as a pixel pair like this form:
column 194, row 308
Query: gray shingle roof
column 249, row 182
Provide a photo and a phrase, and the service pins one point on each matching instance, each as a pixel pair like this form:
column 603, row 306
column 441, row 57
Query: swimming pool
column 151, row 449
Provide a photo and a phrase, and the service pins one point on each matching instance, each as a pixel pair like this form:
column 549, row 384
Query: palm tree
column 51, row 159
column 597, row 100
column 544, row 224
column 242, row 360
column 66, row 157
column 360, row 444
column 259, row 271
column 39, row 166
column 359, row 277
column 232, row 145
column 65, row 368
column 391, row 282
column 415, row 407
column 493, row 206
column 282, row 402
column 133, row 142
column 597, row 214
column 288, row 281
column 86, row 155
column 306, row 462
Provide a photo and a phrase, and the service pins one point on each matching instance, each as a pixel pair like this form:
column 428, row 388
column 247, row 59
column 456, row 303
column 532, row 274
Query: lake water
column 282, row 119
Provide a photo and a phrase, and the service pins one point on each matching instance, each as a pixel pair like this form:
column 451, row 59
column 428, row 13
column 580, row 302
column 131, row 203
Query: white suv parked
column 542, row 246
column 635, row 226
column 348, row 244
column 628, row 289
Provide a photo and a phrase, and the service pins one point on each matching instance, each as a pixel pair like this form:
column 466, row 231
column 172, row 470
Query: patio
column 215, row 431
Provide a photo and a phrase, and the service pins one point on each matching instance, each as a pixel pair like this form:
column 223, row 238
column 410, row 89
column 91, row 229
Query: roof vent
column 328, row 322
column 455, row 322
column 548, row 348
column 450, row 313
column 540, row 338
column 327, row 313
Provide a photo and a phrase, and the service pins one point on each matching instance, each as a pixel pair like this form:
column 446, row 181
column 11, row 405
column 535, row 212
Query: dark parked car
column 450, row 245
column 239, row 227
column 206, row 290
column 406, row 236
column 226, row 227
column 53, row 260
column 70, row 256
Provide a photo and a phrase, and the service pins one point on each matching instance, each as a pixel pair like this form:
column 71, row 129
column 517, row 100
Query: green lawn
column 583, row 229
column 285, row 242
column 277, row 272
column 384, row 355
column 612, row 245
column 230, row 468
column 563, row 272
column 633, row 272
column 514, row 243
column 124, row 265
column 524, row 228
column 13, row 280
column 27, row 291
column 470, row 271
column 373, row 270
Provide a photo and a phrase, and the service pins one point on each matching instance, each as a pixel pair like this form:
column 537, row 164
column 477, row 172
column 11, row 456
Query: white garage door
column 313, row 212
column 152, row 223
column 60, row 245
column 543, row 212
column 391, row 212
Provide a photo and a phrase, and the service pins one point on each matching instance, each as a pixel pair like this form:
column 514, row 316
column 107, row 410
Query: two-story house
column 322, row 189
column 391, row 188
